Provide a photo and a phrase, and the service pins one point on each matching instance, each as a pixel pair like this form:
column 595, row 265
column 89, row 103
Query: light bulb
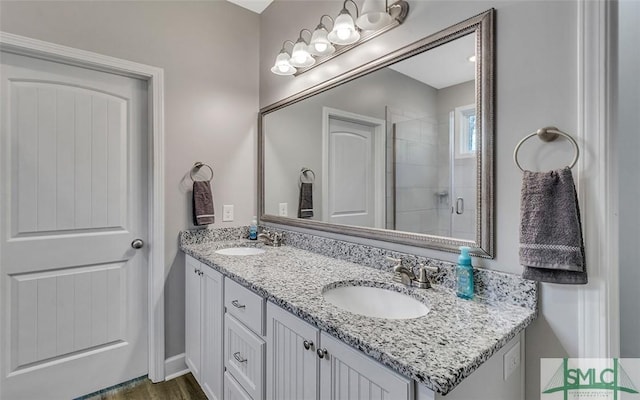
column 320, row 44
column 282, row 65
column 321, row 47
column 343, row 33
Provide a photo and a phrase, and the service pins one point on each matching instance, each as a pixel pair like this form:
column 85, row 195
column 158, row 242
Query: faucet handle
column 397, row 261
column 423, row 280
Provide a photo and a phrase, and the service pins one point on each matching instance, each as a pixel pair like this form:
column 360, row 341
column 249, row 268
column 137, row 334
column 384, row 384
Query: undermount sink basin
column 240, row 251
column 375, row 302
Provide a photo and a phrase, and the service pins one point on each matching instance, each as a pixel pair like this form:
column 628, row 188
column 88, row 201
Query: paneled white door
column 351, row 180
column 73, row 192
column 292, row 363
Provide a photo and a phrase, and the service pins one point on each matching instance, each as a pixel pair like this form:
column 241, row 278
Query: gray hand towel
column 551, row 247
column 305, row 201
column 203, row 212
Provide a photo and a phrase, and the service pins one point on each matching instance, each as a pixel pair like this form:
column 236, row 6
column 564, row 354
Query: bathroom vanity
column 258, row 326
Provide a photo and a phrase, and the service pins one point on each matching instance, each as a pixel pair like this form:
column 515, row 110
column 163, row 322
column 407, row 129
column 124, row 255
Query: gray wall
column 629, row 165
column 529, row 95
column 210, row 103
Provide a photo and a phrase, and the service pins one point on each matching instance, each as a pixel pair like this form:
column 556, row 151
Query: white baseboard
column 175, row 367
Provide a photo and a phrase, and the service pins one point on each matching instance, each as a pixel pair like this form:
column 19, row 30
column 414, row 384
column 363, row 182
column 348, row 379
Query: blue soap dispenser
column 464, row 274
column 253, row 229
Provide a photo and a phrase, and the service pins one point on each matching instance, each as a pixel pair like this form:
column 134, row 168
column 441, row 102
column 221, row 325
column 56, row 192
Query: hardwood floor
column 183, row 387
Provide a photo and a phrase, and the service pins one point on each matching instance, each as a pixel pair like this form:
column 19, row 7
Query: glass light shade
column 282, row 65
column 344, row 31
column 300, row 56
column 320, row 44
column 374, row 15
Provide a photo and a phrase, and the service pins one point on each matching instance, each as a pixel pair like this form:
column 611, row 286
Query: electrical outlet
column 227, row 213
column 283, row 209
column 511, row 360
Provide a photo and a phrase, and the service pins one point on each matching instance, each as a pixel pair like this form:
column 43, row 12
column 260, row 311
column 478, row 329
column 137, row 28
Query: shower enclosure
column 432, row 179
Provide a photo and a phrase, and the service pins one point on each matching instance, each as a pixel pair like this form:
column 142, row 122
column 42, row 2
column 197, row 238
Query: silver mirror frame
column 483, row 26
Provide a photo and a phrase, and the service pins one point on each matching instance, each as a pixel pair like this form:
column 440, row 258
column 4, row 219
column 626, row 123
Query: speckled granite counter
column 438, row 350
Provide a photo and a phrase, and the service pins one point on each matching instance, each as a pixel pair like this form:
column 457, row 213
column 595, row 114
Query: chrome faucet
column 271, row 238
column 406, row 276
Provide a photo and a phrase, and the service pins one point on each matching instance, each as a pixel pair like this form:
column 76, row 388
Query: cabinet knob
column 322, row 353
column 238, row 357
column 237, row 305
column 307, row 344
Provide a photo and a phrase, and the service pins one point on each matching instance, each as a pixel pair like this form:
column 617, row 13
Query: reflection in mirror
column 398, row 149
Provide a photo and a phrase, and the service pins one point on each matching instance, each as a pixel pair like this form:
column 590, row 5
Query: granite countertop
column 438, row 350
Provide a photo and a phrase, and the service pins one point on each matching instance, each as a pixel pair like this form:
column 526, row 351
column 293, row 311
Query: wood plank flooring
column 183, row 387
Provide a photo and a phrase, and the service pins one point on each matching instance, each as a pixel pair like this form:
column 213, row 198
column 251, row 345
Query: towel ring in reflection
column 547, row 134
column 303, row 175
column 196, row 167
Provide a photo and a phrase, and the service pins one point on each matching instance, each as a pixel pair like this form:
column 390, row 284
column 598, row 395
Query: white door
column 292, row 363
column 192, row 317
column 351, row 173
column 212, row 361
column 348, row 374
column 73, row 195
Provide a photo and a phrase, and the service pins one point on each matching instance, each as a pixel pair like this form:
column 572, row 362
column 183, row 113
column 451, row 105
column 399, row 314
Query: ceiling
column 442, row 66
column 257, row 6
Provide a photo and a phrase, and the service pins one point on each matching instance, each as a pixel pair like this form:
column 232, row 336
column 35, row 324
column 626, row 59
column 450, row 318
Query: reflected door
column 351, row 173
column 74, row 189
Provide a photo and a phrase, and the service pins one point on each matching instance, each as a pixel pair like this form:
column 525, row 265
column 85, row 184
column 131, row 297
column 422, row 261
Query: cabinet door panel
column 212, row 333
column 244, row 356
column 192, row 316
column 347, row 374
column 233, row 390
column 292, row 370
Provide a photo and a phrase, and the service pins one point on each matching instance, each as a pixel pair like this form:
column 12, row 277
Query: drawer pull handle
column 237, row 305
column 307, row 344
column 322, row 353
column 238, row 357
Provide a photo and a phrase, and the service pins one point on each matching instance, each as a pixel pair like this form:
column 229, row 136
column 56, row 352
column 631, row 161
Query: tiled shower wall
column 416, row 172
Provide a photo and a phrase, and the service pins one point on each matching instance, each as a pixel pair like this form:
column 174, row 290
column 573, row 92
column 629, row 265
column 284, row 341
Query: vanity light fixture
column 320, row 44
column 344, row 30
column 374, row 15
column 324, row 44
column 300, row 56
column 283, row 65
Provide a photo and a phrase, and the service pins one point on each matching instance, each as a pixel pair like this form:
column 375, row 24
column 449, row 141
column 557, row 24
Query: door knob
column 137, row 243
column 322, row 353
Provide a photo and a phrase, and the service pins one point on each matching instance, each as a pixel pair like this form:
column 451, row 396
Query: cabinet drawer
column 244, row 353
column 245, row 305
column 233, row 390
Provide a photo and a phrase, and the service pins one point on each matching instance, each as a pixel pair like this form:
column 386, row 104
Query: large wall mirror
column 399, row 149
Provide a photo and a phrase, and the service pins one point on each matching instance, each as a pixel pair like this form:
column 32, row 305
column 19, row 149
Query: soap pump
column 464, row 274
column 253, row 229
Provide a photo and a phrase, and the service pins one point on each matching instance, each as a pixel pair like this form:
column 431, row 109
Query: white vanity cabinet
column 303, row 363
column 203, row 326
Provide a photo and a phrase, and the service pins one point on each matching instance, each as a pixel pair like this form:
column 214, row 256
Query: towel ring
column 196, row 168
column 303, row 175
column 547, row 134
